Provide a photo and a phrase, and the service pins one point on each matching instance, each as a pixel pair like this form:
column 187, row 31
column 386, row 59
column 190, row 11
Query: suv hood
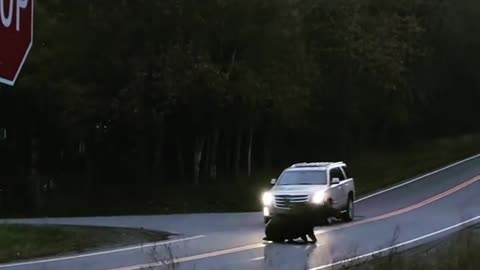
column 298, row 189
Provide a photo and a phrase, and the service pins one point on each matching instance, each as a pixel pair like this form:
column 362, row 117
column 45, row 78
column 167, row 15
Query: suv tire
column 348, row 215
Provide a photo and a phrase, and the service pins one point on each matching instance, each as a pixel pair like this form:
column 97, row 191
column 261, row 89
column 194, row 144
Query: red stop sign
column 16, row 32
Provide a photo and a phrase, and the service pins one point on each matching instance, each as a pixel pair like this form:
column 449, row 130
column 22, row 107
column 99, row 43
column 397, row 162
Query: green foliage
column 132, row 91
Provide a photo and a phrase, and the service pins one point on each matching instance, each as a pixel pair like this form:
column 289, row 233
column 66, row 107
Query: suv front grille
column 287, row 201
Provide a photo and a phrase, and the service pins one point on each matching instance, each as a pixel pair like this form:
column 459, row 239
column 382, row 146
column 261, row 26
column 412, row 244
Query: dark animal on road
column 298, row 224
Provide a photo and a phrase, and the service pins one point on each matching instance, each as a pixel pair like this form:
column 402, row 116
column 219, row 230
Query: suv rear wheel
column 349, row 212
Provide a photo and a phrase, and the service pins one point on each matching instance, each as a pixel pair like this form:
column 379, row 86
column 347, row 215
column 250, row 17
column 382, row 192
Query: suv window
column 346, row 172
column 336, row 173
column 313, row 177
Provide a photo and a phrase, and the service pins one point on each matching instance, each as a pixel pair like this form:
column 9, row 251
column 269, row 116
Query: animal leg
column 312, row 236
column 304, row 238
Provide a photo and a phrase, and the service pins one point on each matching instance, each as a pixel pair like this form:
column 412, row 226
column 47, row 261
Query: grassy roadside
column 459, row 251
column 19, row 242
column 372, row 171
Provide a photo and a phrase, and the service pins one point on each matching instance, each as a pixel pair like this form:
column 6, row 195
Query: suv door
column 337, row 191
column 346, row 186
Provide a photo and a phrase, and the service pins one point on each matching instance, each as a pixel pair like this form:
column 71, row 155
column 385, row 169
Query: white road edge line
column 416, row 179
column 146, row 245
column 371, row 254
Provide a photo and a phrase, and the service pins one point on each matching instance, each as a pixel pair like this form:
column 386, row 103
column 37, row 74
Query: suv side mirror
column 335, row 181
column 273, row 181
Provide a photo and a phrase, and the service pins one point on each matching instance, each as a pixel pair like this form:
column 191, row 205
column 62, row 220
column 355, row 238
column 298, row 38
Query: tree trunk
column 89, row 157
column 180, row 160
column 228, row 153
column 237, row 152
column 34, row 177
column 206, row 159
column 344, row 119
column 157, row 164
column 249, row 157
column 213, row 155
column 197, row 158
column 89, row 170
column 267, row 151
column 144, row 160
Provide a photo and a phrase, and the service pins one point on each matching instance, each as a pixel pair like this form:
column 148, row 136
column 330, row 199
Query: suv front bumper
column 320, row 211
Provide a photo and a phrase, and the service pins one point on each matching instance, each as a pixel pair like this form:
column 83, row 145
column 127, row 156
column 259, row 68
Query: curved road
column 417, row 211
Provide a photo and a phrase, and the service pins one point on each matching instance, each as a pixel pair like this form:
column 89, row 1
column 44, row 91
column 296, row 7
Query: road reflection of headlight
column 267, row 198
column 266, row 212
column 318, row 197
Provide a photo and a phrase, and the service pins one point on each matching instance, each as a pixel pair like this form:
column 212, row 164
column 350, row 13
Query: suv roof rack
column 316, row 164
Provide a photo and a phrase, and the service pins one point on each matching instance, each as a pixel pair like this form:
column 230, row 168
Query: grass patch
column 18, row 242
column 373, row 171
column 459, row 251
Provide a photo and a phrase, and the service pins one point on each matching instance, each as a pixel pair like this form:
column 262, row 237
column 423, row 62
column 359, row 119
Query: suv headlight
column 267, row 198
column 318, row 197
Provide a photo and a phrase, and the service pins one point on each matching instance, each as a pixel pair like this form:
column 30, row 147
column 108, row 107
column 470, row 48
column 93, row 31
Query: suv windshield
column 303, row 178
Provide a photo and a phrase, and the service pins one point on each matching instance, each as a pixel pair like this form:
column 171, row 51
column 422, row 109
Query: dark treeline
column 186, row 91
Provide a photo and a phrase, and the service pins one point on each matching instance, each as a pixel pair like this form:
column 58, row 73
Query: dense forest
column 188, row 92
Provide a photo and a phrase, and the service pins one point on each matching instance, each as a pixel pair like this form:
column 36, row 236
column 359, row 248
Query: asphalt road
column 420, row 210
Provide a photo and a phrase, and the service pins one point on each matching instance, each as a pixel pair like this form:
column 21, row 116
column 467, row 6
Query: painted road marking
column 417, row 178
column 370, row 255
column 261, row 245
column 146, row 245
column 192, row 258
column 408, row 208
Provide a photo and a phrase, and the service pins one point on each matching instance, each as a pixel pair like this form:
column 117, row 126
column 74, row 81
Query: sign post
column 16, row 34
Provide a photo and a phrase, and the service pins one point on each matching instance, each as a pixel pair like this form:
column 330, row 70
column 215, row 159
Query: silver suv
column 313, row 184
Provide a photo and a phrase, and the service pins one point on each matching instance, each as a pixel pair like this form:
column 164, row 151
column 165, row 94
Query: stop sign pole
column 16, row 34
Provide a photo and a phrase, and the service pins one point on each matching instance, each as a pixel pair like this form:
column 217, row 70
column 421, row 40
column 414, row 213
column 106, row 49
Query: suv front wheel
column 349, row 212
